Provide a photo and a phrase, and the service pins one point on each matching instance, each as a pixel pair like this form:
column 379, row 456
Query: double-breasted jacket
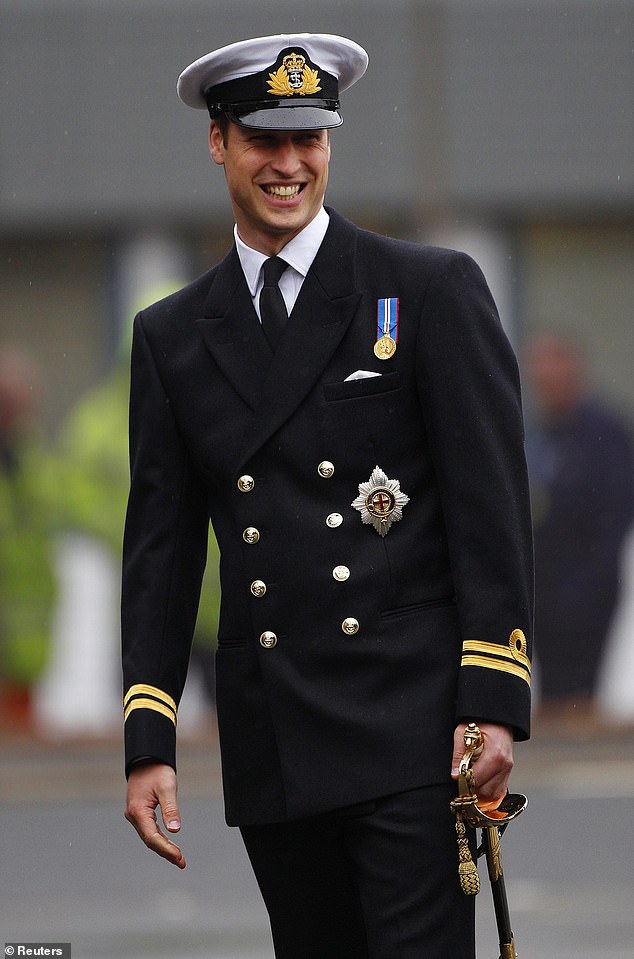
column 345, row 657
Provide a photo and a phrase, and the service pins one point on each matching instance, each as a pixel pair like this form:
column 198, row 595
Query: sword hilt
column 466, row 802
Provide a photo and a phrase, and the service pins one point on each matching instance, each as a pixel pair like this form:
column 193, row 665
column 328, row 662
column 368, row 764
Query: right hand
column 493, row 768
column 152, row 784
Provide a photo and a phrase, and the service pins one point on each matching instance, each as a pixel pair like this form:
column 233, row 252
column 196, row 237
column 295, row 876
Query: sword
column 493, row 823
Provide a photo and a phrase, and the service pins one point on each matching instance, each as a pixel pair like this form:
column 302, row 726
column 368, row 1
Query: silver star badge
column 380, row 501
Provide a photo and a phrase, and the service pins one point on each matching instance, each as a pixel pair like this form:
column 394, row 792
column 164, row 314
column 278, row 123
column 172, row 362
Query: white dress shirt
column 299, row 253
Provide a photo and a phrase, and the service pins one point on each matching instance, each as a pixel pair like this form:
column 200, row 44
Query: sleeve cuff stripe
column 501, row 652
column 142, row 689
column 149, row 704
column 488, row 662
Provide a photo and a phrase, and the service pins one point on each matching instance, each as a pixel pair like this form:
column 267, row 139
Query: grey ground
column 73, row 870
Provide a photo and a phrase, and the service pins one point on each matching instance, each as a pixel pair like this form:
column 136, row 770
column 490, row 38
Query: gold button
column 326, row 469
column 333, row 520
column 350, row 626
column 341, row 573
column 258, row 588
column 268, row 640
column 251, row 535
column 246, row 483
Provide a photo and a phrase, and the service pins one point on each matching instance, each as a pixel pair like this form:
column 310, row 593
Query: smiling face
column 276, row 180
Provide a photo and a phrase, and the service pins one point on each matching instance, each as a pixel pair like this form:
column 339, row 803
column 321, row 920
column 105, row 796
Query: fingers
column 458, row 749
column 493, row 767
column 153, row 785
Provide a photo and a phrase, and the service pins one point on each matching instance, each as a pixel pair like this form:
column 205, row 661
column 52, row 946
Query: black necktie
column 272, row 307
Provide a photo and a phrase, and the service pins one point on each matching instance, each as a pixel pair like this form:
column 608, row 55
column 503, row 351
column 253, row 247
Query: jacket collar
column 273, row 385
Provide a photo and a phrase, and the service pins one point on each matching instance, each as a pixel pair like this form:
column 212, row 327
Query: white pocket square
column 361, row 375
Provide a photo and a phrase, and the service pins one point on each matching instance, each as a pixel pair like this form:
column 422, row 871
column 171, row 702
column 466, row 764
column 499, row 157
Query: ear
column 216, row 144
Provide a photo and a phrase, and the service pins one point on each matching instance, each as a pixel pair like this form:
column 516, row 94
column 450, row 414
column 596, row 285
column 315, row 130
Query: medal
column 386, row 327
column 380, row 501
column 384, row 348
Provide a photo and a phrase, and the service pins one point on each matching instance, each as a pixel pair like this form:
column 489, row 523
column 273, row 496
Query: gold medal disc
column 384, row 348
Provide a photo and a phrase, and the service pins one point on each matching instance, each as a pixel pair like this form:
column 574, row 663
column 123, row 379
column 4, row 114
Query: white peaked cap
column 246, row 65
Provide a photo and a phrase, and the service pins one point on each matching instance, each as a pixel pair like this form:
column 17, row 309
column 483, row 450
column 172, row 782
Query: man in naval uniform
column 346, row 410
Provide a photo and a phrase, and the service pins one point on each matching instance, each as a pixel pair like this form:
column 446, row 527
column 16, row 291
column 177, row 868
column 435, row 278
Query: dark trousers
column 378, row 880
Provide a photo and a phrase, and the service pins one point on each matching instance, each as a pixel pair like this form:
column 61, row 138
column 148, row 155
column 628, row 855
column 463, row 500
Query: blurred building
column 502, row 127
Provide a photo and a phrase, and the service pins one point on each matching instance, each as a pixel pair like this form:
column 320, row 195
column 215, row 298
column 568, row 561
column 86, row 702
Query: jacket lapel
column 274, row 385
column 232, row 332
column 324, row 309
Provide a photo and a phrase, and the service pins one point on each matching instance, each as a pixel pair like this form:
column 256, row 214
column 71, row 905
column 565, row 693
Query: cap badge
column 380, row 501
column 293, row 78
column 386, row 327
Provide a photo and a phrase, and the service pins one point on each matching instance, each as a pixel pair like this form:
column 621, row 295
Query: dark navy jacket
column 324, row 718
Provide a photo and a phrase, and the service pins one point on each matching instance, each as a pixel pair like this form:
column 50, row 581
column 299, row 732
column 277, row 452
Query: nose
column 286, row 159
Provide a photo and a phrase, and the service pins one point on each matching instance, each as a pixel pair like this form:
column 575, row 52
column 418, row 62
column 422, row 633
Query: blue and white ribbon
column 387, row 318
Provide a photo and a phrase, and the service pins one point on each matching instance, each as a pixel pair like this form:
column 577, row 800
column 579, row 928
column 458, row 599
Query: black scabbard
column 491, row 843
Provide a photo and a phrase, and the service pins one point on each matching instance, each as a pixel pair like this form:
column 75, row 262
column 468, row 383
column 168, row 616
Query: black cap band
column 251, row 106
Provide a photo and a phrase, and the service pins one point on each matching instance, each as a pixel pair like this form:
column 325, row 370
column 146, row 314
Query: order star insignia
column 380, row 501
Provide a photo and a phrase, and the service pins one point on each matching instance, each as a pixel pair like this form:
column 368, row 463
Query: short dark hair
column 223, row 123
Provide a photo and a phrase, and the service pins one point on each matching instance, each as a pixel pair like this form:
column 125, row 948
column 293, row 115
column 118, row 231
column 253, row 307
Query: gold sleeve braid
column 511, row 658
column 143, row 696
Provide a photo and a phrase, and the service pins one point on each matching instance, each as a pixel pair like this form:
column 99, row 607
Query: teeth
column 276, row 190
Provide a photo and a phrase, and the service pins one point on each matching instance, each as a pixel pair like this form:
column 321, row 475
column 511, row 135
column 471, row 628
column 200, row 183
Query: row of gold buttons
column 350, row 626
column 246, row 483
column 340, row 573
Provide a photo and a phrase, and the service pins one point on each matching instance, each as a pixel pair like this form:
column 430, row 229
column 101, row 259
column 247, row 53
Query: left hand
column 492, row 769
column 153, row 784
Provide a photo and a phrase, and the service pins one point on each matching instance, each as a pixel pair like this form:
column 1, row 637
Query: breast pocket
column 360, row 420
column 368, row 386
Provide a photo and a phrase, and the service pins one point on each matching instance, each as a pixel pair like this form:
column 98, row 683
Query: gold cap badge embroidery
column 380, row 501
column 293, row 78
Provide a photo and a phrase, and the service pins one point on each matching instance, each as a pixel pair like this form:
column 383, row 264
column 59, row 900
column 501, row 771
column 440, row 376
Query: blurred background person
column 79, row 694
column 27, row 512
column 581, row 462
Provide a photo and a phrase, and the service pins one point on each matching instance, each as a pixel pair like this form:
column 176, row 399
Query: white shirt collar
column 299, row 252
